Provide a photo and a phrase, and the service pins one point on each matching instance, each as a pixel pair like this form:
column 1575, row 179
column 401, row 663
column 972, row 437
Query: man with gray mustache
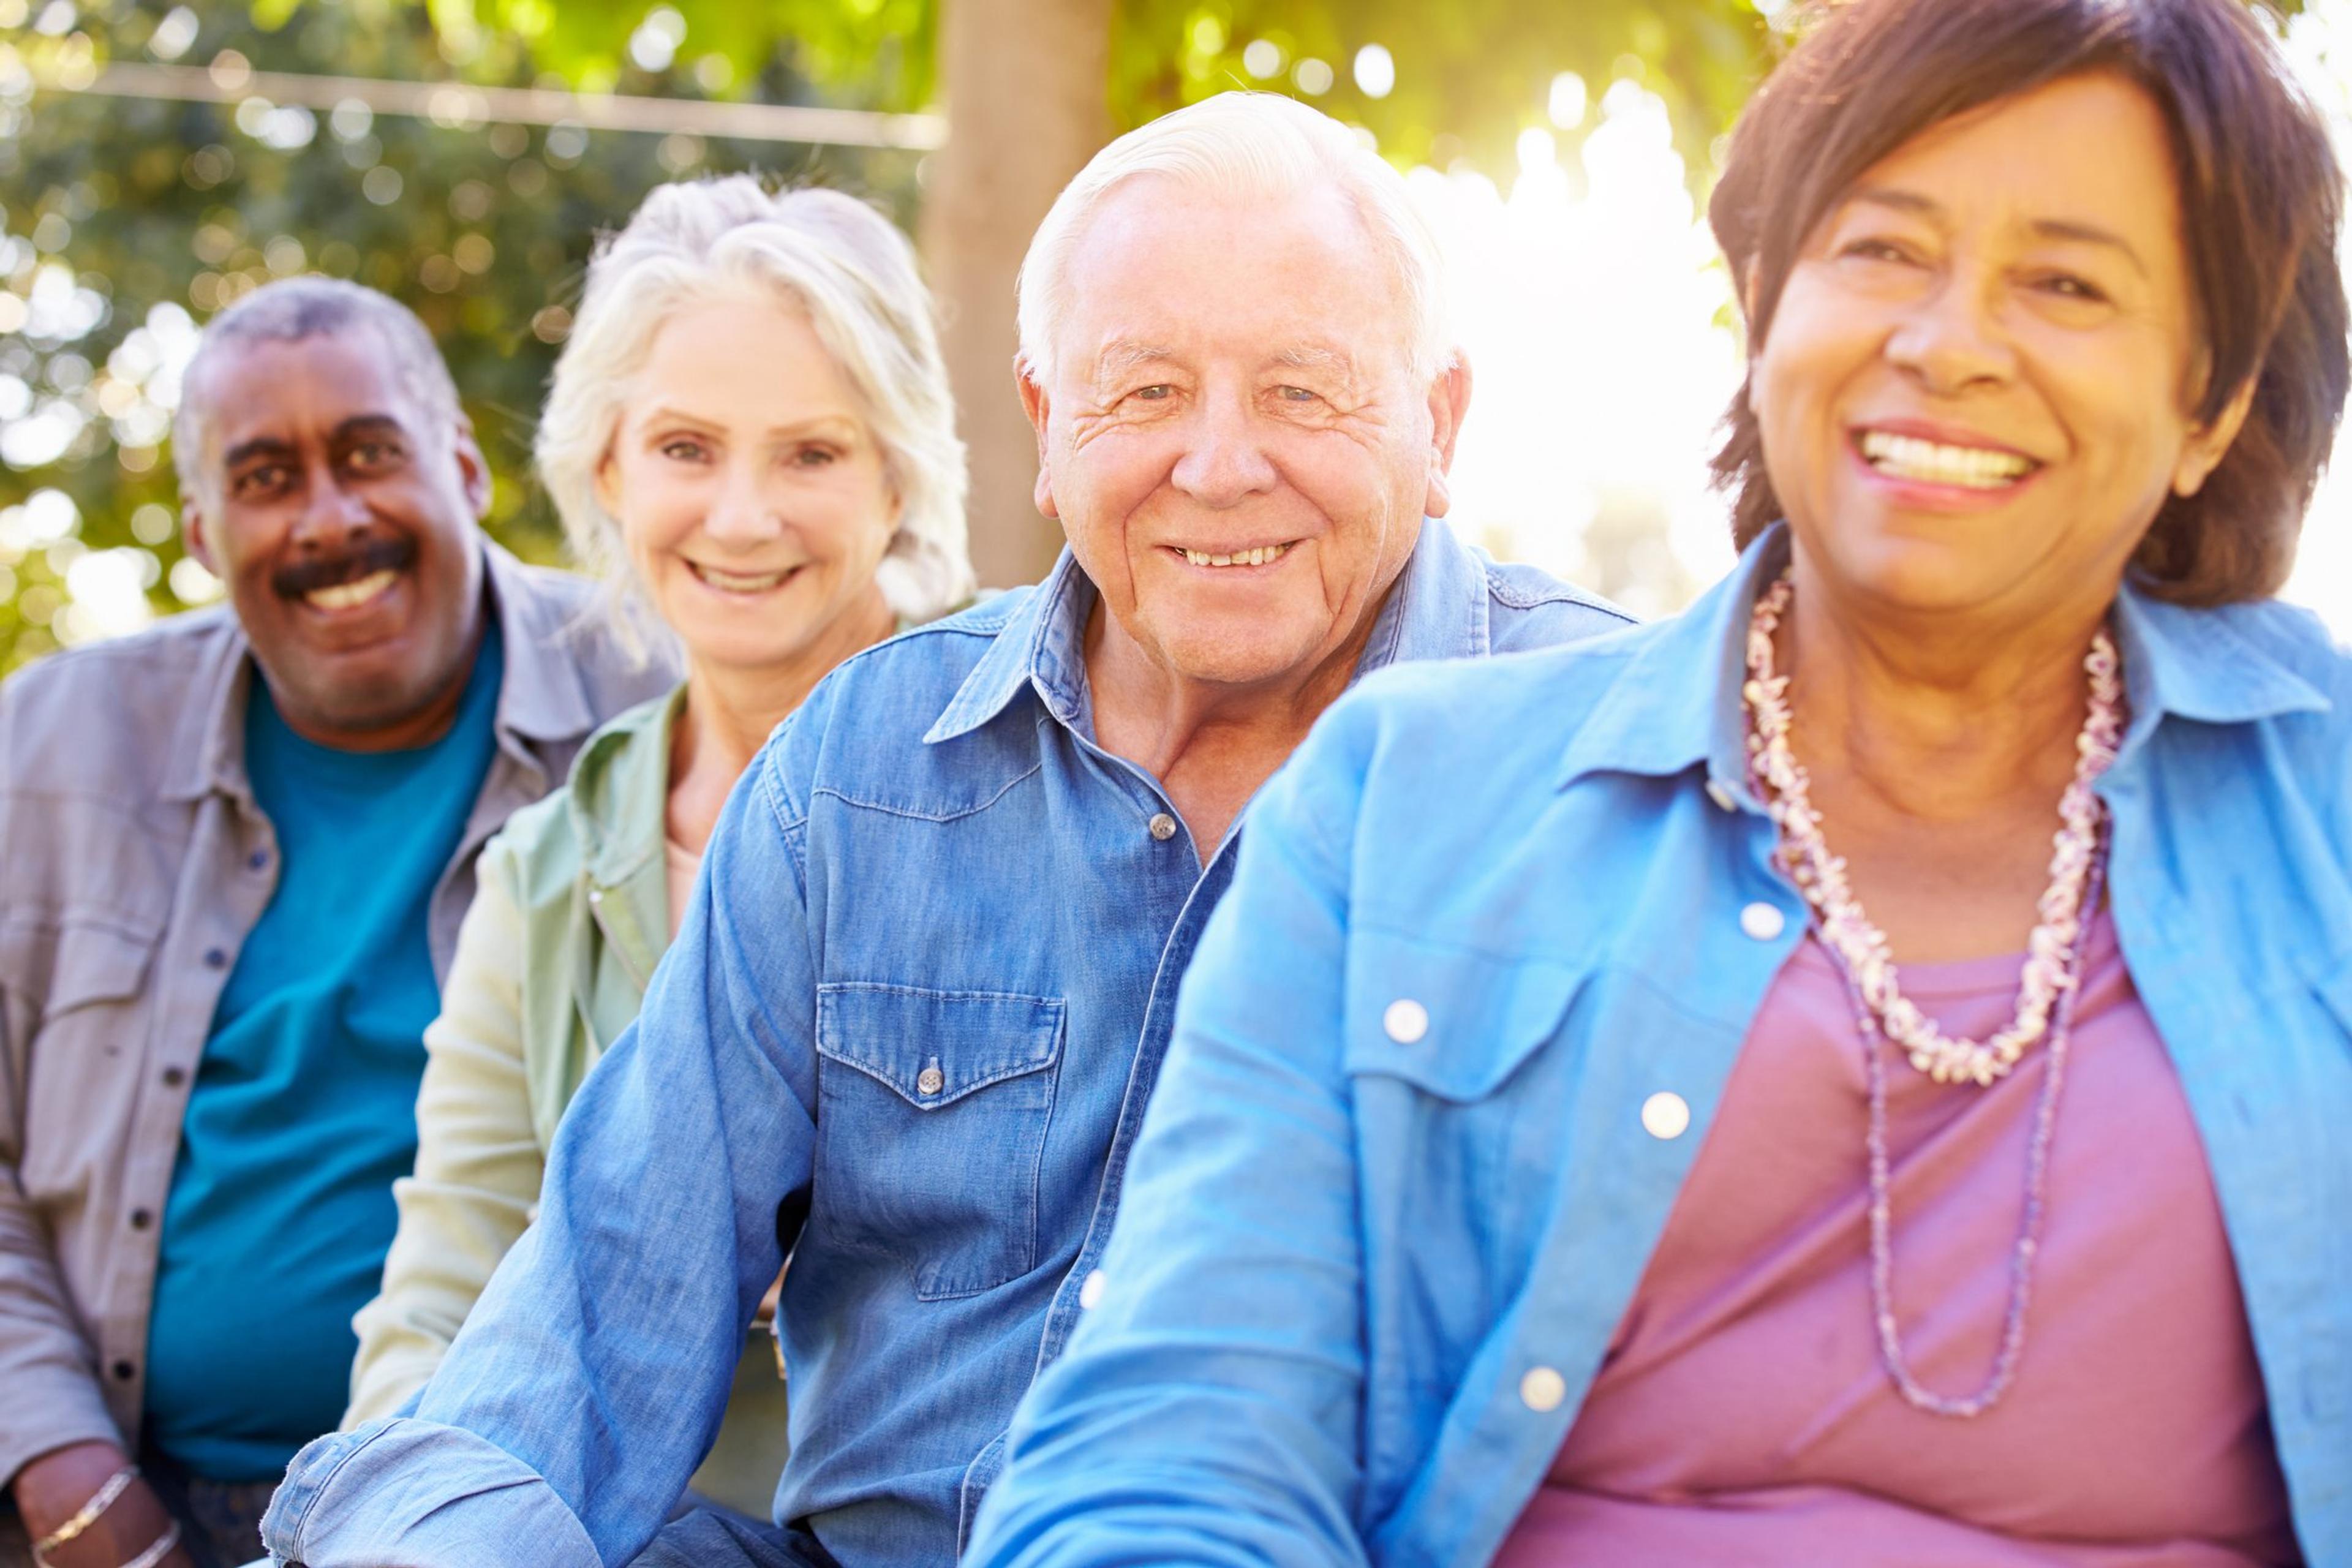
column 237, row 849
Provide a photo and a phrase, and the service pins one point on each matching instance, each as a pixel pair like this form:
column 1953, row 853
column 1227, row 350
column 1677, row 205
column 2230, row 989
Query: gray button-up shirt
column 135, row 863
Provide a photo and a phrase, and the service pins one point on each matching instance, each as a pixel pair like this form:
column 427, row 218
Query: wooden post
column 1026, row 84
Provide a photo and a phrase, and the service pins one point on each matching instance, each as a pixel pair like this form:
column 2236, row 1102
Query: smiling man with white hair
column 909, row 1027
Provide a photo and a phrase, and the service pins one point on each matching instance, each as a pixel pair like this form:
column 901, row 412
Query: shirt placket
column 228, row 880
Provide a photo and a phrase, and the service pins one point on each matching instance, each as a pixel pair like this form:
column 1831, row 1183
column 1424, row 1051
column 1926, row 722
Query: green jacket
column 571, row 916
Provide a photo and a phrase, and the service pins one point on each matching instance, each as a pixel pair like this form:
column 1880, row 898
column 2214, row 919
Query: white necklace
column 1821, row 876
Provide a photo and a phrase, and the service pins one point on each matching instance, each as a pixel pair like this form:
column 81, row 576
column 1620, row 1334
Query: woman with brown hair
column 1860, row 1072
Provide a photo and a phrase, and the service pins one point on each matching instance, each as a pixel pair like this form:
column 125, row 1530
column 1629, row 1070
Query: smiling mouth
column 1936, row 463
column 350, row 596
column 739, row 582
column 1258, row 555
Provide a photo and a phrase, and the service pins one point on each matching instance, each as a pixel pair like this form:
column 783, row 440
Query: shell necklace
column 2059, row 950
column 1848, row 931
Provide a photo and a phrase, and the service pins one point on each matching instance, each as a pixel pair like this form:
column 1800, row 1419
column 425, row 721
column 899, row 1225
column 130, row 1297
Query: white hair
column 855, row 274
column 1246, row 145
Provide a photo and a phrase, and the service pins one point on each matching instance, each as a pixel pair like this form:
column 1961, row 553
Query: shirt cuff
column 404, row 1493
column 49, row 1408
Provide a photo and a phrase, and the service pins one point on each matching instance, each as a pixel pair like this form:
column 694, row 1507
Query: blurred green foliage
column 127, row 221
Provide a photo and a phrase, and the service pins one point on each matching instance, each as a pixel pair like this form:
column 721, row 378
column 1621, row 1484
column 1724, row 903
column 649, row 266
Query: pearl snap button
column 1665, row 1115
column 930, row 1080
column 1542, row 1389
column 1163, row 828
column 1091, row 1292
column 1717, row 793
column 1763, row 922
column 1406, row 1021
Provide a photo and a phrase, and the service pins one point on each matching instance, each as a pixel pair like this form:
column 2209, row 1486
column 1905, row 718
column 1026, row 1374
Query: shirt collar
column 1678, row 700
column 1438, row 609
column 542, row 698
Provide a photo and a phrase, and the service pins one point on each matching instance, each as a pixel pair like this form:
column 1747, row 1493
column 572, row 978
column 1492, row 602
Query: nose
column 1952, row 339
column 742, row 512
column 1224, row 462
column 331, row 512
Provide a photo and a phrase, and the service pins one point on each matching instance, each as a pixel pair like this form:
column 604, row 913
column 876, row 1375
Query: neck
column 730, row 710
column 1210, row 743
column 1942, row 722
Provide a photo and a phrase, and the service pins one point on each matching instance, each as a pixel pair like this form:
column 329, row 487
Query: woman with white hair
column 751, row 439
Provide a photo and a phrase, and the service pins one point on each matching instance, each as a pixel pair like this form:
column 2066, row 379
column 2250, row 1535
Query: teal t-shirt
column 304, row 1107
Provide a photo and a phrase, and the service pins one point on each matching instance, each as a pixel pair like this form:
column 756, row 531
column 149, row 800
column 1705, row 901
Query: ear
column 1449, row 404
column 1036, row 402
column 193, row 536
column 2209, row 444
column 473, row 473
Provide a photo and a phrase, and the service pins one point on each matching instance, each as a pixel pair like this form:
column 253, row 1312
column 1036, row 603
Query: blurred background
column 159, row 160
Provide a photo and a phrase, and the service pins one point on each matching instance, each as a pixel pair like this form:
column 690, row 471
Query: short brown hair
column 2261, row 198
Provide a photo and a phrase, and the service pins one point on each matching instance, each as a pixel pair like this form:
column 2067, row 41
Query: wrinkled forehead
column 1205, row 274
column 298, row 390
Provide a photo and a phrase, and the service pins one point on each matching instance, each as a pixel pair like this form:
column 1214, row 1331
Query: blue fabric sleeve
column 1208, row 1407
column 588, row 1382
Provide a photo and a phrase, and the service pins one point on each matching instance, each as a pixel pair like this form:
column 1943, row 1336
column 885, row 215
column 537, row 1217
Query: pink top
column 1742, row 1415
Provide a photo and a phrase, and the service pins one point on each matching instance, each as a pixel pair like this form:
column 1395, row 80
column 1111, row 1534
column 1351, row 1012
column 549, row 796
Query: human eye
column 815, row 455
column 1158, row 391
column 684, row 449
column 1297, row 394
column 263, row 478
column 2071, row 286
column 1876, row 247
column 374, row 457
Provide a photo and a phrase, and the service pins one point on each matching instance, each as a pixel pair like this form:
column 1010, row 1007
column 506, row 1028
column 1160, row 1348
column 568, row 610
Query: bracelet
column 100, row 1501
column 161, row 1550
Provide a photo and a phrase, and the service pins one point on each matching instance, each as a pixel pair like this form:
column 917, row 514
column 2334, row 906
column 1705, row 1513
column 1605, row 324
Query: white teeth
column 741, row 582
column 1258, row 556
column 350, row 596
column 1974, row 468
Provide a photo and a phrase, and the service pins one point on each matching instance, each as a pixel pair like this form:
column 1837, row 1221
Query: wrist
column 53, row 1486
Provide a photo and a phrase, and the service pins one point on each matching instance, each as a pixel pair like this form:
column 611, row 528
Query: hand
column 53, row 1488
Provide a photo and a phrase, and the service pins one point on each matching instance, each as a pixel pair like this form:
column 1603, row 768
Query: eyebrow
column 1127, row 354
column 2071, row 230
column 351, row 429
column 1316, row 356
column 668, row 413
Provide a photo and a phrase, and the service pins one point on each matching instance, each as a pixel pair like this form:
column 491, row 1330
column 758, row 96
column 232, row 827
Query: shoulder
column 1530, row 608
column 1486, row 736
column 111, row 711
column 862, row 735
column 566, row 620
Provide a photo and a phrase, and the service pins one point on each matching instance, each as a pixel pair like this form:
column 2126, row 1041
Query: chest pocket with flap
column 932, row 1108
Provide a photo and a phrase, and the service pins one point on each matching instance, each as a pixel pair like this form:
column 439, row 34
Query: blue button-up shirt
column 919, row 1001
column 1395, row 1191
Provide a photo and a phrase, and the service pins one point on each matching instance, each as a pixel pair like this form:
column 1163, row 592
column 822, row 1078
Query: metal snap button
column 1091, row 1292
column 1717, row 793
column 1542, row 1389
column 1163, row 828
column 930, row 1080
column 1406, row 1021
column 1763, row 922
column 1665, row 1115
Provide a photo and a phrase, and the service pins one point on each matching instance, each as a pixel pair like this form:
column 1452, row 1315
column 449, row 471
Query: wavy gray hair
column 855, row 274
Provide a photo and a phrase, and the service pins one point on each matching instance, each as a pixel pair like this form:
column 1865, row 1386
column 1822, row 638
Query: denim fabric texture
column 1373, row 1255
column 909, row 1024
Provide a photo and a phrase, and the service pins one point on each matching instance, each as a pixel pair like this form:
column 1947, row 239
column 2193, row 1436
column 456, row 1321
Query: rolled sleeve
column 1207, row 1410
column 589, row 1380
column 416, row 1494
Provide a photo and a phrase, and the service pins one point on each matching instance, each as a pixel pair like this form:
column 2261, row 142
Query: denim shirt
column 1396, row 1192
column 919, row 1000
